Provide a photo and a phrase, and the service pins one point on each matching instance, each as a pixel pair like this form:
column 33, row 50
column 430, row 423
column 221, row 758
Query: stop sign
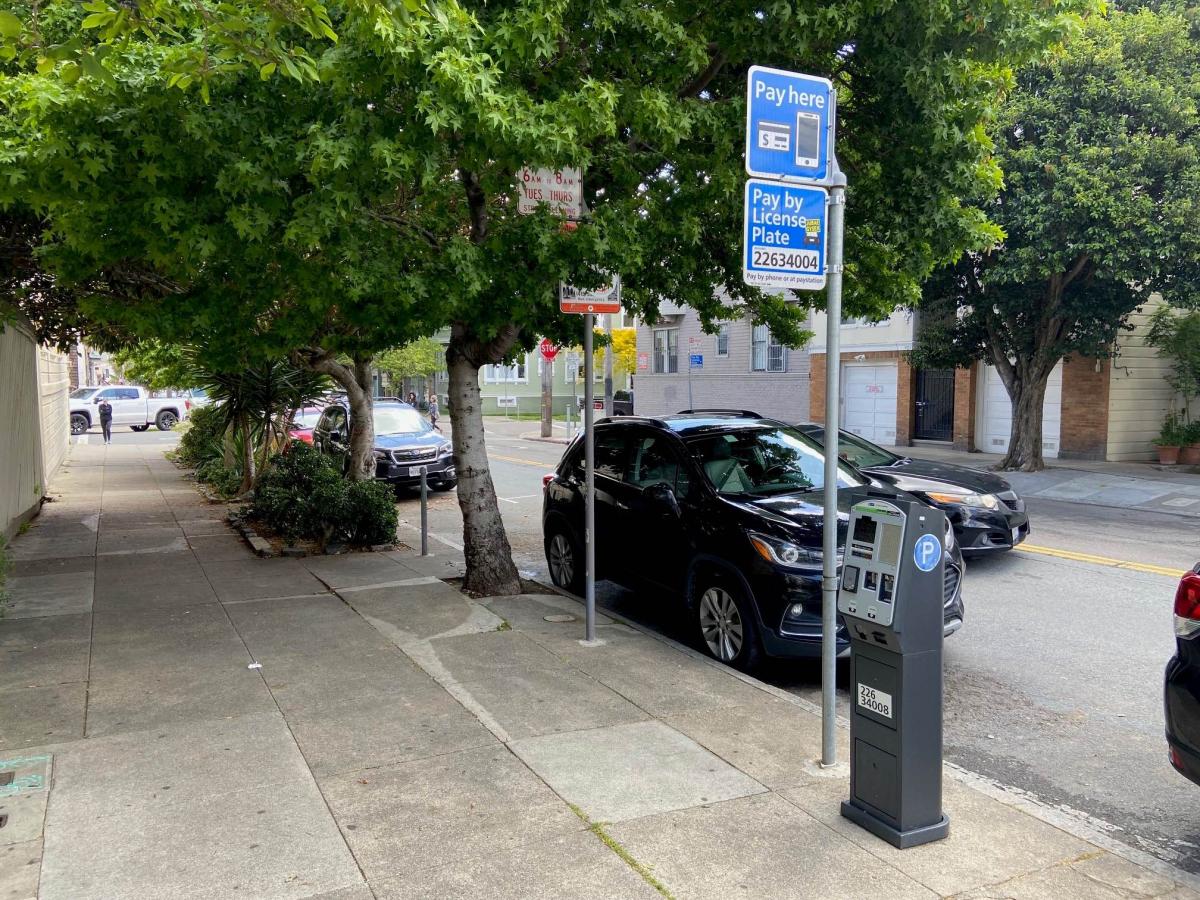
column 547, row 349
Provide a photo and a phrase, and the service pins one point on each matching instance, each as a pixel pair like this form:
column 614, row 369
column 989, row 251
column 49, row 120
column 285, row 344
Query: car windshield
column 306, row 418
column 856, row 450
column 399, row 420
column 83, row 393
column 764, row 460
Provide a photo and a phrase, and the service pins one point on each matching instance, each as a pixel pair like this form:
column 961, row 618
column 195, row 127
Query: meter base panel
column 913, row 837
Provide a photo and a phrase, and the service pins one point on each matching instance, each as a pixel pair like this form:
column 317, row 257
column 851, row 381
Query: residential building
column 1093, row 408
column 741, row 366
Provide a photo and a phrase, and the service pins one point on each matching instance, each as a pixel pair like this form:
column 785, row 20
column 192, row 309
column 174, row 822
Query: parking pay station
column 890, row 598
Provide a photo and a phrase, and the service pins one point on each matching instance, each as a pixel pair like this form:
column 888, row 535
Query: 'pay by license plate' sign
column 874, row 700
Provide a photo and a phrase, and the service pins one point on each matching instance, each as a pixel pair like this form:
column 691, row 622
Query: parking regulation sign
column 789, row 125
column 784, row 238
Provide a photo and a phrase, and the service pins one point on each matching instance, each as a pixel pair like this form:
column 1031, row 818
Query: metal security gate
column 935, row 405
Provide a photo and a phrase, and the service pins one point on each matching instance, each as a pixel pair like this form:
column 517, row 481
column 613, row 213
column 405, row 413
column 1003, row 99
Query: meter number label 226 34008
column 874, row 700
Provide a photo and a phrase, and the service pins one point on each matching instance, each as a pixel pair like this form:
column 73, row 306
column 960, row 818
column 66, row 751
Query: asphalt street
column 1053, row 685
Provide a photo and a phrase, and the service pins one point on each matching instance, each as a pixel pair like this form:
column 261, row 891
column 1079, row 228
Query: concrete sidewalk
column 185, row 720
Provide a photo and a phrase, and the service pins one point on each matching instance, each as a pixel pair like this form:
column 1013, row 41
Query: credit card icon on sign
column 774, row 136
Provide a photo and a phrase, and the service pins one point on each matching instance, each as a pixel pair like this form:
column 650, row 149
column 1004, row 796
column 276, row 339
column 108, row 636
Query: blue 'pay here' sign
column 789, row 125
column 784, row 235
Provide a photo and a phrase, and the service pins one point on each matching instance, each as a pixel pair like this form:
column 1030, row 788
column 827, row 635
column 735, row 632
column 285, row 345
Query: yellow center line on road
column 1101, row 560
column 547, row 466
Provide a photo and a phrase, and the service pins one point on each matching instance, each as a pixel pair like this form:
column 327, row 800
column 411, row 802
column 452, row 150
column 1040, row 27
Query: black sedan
column 405, row 443
column 987, row 514
column 1183, row 680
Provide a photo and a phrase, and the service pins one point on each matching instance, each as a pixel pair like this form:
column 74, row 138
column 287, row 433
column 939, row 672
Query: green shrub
column 303, row 495
column 204, row 439
column 224, row 480
column 371, row 515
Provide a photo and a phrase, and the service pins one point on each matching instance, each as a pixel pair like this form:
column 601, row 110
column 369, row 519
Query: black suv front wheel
column 726, row 623
column 565, row 558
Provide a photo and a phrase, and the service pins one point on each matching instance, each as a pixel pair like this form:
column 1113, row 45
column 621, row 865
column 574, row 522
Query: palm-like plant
column 257, row 404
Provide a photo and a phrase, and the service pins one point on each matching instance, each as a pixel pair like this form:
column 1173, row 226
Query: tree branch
column 477, row 204
column 701, row 81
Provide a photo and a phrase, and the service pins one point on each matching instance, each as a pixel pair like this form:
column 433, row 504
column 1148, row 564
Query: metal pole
column 547, row 396
column 691, row 405
column 608, row 367
column 424, row 512
column 829, row 571
column 589, row 456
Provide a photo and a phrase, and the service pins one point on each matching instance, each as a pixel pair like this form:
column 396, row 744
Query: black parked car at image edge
column 987, row 514
column 404, row 443
column 722, row 510
column 1182, row 692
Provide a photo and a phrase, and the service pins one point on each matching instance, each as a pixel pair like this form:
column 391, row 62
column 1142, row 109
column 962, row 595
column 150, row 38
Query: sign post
column 605, row 300
column 794, row 192
column 547, row 351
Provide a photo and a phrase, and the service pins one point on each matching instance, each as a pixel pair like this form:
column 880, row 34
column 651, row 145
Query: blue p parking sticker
column 926, row 552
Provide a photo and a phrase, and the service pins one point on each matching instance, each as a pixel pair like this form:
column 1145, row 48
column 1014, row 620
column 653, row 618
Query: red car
column 303, row 423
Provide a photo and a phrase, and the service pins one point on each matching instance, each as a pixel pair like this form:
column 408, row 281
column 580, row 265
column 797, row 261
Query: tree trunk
column 247, row 455
column 355, row 380
column 1025, row 435
column 490, row 567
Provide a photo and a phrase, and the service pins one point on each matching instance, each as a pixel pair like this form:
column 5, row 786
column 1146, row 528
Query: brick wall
column 966, row 387
column 906, row 386
column 1084, row 433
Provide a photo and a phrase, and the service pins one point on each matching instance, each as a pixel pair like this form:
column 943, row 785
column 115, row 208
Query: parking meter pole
column 829, row 573
column 608, row 368
column 589, row 456
column 424, row 512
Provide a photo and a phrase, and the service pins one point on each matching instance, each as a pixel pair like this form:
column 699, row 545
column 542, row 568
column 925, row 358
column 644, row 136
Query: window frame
column 774, row 352
column 669, row 360
column 723, row 335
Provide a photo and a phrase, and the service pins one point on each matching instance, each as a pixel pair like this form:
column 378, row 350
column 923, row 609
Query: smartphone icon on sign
column 808, row 139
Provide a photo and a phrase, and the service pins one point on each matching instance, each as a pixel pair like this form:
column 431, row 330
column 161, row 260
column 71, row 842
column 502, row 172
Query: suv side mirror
column 661, row 495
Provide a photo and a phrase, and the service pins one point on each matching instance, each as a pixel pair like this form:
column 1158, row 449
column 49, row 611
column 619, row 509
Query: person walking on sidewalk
column 433, row 411
column 105, row 410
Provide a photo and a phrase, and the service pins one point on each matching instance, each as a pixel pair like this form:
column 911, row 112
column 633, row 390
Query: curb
column 1094, row 831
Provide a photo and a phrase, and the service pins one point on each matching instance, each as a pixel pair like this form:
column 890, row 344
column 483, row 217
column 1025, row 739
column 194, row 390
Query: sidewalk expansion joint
column 640, row 868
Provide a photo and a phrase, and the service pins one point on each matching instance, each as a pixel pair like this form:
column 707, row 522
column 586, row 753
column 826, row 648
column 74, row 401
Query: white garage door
column 997, row 413
column 869, row 401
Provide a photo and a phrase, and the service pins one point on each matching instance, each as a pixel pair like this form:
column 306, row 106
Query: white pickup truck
column 131, row 405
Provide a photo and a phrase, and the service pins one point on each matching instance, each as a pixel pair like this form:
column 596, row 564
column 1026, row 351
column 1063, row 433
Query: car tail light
column 1187, row 605
column 546, row 479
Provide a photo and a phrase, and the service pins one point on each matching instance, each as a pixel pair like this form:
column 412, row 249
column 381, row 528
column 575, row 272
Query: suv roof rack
column 744, row 413
column 653, row 420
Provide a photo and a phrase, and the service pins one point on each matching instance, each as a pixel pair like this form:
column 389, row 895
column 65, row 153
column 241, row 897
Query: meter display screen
column 864, row 531
column 889, row 544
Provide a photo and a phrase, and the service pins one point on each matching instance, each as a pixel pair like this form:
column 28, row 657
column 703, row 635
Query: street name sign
column 784, row 237
column 561, row 190
column 789, row 125
column 604, row 299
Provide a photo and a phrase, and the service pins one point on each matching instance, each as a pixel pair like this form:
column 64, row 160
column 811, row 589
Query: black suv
column 722, row 509
column 404, row 443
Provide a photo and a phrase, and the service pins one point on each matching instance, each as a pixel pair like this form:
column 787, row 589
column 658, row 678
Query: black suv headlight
column 446, row 450
column 784, row 553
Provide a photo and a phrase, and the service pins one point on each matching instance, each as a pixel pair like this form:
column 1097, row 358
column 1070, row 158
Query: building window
column 666, row 351
column 857, row 321
column 723, row 339
column 766, row 353
column 516, row 373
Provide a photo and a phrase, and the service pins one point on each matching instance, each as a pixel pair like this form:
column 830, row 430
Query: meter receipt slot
column 891, row 601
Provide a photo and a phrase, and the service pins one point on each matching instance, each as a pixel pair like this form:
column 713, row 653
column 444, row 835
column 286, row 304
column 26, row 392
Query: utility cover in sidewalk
column 559, row 617
column 626, row 771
